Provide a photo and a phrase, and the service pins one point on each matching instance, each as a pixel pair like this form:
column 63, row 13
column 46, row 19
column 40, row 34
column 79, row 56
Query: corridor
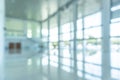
column 32, row 69
column 59, row 39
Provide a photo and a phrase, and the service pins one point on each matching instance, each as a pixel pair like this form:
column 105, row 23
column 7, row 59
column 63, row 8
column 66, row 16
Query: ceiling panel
column 23, row 9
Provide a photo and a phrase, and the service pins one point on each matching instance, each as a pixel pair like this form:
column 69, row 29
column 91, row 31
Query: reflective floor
column 17, row 68
column 34, row 66
column 21, row 69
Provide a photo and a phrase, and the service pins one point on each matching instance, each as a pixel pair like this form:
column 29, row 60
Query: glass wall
column 115, row 42
column 66, row 39
column 89, row 46
column 92, row 45
column 88, row 43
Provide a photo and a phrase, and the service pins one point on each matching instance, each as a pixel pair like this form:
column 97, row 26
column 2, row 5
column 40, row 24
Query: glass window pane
column 71, row 35
column 80, row 65
column 71, row 26
column 80, row 74
column 115, row 74
column 90, row 77
column 79, row 24
column 93, row 69
column 65, row 37
column 44, row 32
column 66, row 68
column 53, row 58
column 115, row 52
column 93, row 51
column 79, row 50
column 96, row 18
column 53, row 64
column 93, row 32
column 66, row 61
column 66, row 53
column 66, row 28
column 79, row 34
column 115, row 29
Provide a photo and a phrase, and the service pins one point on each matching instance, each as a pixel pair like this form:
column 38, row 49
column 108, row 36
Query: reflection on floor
column 31, row 69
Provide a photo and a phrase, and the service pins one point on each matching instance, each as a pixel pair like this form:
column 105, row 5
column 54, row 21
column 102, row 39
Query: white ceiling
column 37, row 10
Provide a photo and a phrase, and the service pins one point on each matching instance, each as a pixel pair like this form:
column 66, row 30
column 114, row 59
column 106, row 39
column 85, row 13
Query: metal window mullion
column 59, row 52
column 25, row 28
column 48, row 46
column 48, row 54
column 106, row 16
column 48, row 42
column 75, row 7
column 41, row 56
column 70, row 46
column 84, row 49
column 41, row 67
column 41, row 31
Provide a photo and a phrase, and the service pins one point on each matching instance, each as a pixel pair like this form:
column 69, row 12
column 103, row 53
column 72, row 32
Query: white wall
column 2, row 18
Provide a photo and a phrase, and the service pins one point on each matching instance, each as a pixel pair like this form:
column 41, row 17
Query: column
column 25, row 28
column 75, row 14
column 41, row 68
column 106, row 15
column 2, row 22
column 41, row 56
column 48, row 49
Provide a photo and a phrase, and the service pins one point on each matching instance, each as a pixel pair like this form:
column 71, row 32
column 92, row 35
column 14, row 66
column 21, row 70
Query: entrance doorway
column 14, row 48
